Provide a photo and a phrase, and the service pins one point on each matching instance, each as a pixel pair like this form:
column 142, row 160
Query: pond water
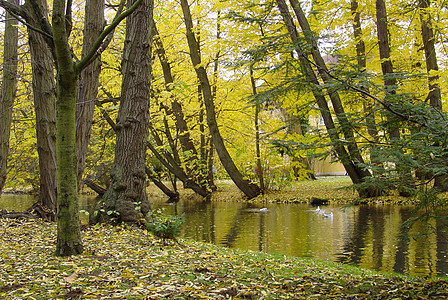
column 367, row 236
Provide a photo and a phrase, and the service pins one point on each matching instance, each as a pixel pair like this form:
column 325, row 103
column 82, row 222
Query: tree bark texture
column 126, row 199
column 259, row 171
column 44, row 92
column 249, row 189
column 88, row 82
column 69, row 234
column 390, row 84
column 8, row 90
column 434, row 96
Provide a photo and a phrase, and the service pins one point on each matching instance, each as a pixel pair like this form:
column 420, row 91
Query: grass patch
column 129, row 263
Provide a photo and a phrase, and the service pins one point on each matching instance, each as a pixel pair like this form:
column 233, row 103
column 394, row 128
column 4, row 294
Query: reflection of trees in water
column 370, row 244
column 240, row 224
column 200, row 220
column 377, row 242
column 442, row 248
column 356, row 243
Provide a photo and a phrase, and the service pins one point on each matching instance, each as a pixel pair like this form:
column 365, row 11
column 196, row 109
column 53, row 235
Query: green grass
column 129, row 263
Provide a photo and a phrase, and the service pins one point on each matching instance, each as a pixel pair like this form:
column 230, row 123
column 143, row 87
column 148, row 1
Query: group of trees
column 188, row 90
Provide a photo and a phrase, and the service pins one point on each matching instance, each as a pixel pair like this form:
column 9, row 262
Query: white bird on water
column 330, row 215
column 322, row 213
column 263, row 210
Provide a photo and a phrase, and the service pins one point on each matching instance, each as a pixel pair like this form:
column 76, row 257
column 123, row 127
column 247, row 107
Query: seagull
column 263, row 210
column 330, row 215
column 317, row 210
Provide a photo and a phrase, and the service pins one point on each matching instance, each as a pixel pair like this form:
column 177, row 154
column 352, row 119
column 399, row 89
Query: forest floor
column 124, row 262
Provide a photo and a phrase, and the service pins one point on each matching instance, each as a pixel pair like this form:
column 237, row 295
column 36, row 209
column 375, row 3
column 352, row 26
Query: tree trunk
column 390, row 84
column 8, row 90
column 390, row 81
column 170, row 163
column 259, row 170
column 126, row 199
column 249, row 189
column 356, row 173
column 195, row 167
column 45, row 109
column 368, row 106
column 434, row 95
column 68, row 225
column 346, row 126
column 88, row 82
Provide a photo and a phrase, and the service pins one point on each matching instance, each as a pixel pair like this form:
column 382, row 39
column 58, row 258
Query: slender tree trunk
column 126, row 199
column 8, row 90
column 295, row 127
column 356, row 173
column 170, row 163
column 249, row 189
column 390, row 81
column 259, row 171
column 88, row 82
column 346, row 126
column 368, row 106
column 69, row 234
column 390, row 84
column 434, row 95
column 194, row 166
column 44, row 92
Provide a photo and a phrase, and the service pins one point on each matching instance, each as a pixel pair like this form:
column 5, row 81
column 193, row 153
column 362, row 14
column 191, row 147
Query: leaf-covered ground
column 128, row 263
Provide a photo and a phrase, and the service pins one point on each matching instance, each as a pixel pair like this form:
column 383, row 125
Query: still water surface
column 367, row 236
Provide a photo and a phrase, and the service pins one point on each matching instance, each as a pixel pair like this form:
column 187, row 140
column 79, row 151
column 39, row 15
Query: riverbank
column 336, row 189
column 129, row 263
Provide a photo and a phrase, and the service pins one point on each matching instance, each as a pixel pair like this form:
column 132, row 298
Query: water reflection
column 368, row 236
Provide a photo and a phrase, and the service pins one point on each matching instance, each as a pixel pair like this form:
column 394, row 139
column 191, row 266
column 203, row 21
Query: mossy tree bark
column 69, row 235
column 8, row 90
column 126, row 199
column 68, row 69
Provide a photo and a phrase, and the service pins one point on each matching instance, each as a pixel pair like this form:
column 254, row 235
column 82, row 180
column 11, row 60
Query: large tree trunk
column 434, row 95
column 45, row 109
column 126, row 199
column 88, row 82
column 8, row 90
column 249, row 189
